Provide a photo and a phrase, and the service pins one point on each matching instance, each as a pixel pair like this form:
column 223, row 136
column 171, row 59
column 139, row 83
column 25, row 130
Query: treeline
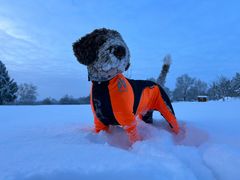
column 12, row 93
column 188, row 88
column 67, row 99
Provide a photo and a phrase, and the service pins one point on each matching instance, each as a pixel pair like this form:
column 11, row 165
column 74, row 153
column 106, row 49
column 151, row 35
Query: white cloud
column 10, row 28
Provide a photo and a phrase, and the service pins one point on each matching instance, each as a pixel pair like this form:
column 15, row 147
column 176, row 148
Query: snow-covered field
column 57, row 143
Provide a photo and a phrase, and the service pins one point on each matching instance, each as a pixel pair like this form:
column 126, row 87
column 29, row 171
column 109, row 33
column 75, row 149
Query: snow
column 57, row 143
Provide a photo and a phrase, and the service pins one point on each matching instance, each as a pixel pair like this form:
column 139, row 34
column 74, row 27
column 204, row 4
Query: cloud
column 29, row 61
column 8, row 27
column 36, row 36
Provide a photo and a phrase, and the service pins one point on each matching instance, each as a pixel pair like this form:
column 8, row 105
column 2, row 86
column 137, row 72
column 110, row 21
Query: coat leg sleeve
column 163, row 105
column 122, row 100
column 98, row 125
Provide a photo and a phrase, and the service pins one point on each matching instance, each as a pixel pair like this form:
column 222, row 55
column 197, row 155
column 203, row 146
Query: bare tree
column 198, row 88
column 183, row 86
column 27, row 93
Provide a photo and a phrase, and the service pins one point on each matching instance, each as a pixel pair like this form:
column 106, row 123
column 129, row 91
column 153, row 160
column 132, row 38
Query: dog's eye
column 118, row 51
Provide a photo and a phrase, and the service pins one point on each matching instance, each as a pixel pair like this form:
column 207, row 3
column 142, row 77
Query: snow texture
column 57, row 143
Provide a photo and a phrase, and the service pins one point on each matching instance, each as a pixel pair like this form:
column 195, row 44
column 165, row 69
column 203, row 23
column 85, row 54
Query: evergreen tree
column 235, row 85
column 68, row 100
column 84, row 100
column 8, row 87
column 224, row 87
column 220, row 89
column 49, row 100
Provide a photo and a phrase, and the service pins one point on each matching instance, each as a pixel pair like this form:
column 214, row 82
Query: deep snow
column 57, row 143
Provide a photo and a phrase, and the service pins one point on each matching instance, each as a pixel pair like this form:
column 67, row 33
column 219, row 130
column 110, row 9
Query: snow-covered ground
column 57, row 143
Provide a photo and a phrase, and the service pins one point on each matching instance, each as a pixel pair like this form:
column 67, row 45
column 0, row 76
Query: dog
column 115, row 99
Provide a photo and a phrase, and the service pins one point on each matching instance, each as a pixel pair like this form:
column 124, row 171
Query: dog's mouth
column 111, row 71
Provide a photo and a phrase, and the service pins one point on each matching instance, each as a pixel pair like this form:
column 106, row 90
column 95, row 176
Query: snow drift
column 57, row 143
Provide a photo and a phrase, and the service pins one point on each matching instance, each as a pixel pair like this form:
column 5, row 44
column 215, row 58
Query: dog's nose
column 119, row 52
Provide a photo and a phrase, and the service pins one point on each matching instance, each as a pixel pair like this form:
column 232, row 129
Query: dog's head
column 104, row 53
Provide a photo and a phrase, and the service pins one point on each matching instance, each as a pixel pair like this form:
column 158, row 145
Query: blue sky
column 36, row 39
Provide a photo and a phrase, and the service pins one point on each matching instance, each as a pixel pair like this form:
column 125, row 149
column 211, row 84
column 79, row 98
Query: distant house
column 202, row 98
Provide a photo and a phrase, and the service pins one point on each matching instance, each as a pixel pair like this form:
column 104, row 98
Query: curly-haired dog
column 115, row 99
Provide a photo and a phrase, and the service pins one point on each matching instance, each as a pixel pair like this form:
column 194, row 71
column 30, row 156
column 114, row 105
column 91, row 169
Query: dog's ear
column 86, row 48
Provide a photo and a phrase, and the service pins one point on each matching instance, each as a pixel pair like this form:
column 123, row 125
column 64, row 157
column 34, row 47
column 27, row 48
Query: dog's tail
column 165, row 69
